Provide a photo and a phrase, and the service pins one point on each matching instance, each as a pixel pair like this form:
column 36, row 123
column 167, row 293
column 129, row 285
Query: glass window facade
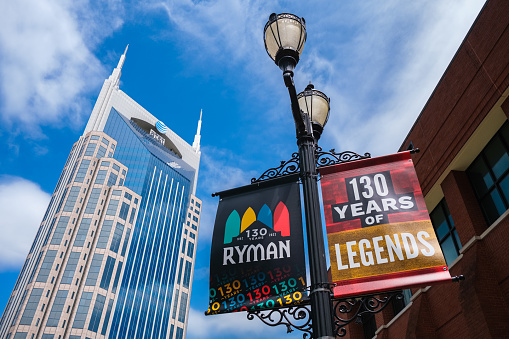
column 92, row 201
column 59, row 230
column 175, row 304
column 112, row 207
column 133, row 213
column 144, row 294
column 97, row 313
column 126, row 241
column 123, row 211
column 117, row 237
column 74, row 258
column 184, row 245
column 31, row 307
column 446, row 231
column 39, row 257
column 104, row 236
column 46, row 266
column 488, row 174
column 56, row 309
column 190, row 249
column 180, row 333
column 62, row 200
column 94, row 270
column 179, row 278
column 81, row 313
column 101, row 176
column 90, row 149
column 154, row 249
column 112, row 179
column 81, row 236
column 117, row 277
column 187, row 274
column 71, row 199
column 82, row 172
column 101, row 152
column 48, row 209
column 50, row 230
column 183, row 306
column 107, row 317
column 72, row 173
column 108, row 271
column 19, row 307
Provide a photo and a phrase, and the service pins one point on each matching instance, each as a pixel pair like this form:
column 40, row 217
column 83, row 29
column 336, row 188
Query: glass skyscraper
column 114, row 254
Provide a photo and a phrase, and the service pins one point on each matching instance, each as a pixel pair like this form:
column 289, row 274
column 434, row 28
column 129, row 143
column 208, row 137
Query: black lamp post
column 285, row 35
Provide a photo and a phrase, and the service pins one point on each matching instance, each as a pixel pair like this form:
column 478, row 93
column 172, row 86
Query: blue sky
column 378, row 61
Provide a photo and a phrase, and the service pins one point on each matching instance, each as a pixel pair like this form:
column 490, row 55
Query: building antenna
column 197, row 137
column 117, row 72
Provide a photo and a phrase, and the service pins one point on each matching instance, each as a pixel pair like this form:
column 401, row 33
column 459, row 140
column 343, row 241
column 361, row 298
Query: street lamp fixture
column 317, row 106
column 285, row 35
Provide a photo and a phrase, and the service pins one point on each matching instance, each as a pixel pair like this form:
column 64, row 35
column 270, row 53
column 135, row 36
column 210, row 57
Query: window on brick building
column 488, row 174
column 399, row 304
column 368, row 325
column 445, row 231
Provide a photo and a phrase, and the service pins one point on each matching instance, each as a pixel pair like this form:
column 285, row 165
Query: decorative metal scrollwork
column 331, row 157
column 353, row 309
column 322, row 159
column 287, row 167
column 298, row 317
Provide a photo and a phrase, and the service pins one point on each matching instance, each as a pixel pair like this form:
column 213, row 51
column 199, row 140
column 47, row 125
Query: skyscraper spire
column 103, row 104
column 117, row 72
column 197, row 137
column 122, row 58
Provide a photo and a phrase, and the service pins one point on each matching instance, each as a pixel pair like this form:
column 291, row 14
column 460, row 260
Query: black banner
column 257, row 255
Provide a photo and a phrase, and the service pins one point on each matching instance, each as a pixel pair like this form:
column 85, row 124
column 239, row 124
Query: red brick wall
column 472, row 84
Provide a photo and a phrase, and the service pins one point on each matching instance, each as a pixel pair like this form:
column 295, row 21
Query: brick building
column 463, row 169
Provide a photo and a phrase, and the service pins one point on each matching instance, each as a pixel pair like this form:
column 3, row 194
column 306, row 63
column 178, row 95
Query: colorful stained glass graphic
column 234, row 226
column 282, row 222
column 257, row 256
column 378, row 228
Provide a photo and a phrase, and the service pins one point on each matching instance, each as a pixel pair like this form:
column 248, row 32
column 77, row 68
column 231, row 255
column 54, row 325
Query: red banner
column 378, row 228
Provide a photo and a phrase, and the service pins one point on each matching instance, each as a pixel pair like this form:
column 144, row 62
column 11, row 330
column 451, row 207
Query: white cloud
column 231, row 29
column 46, row 64
column 22, row 206
column 219, row 171
column 227, row 37
column 378, row 61
column 398, row 60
